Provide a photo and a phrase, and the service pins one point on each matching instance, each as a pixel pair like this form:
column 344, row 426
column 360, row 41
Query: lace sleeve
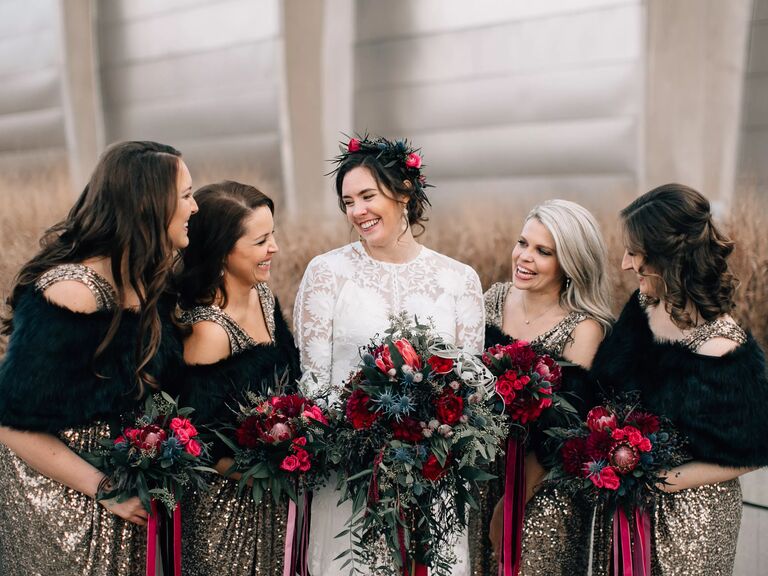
column 313, row 321
column 470, row 314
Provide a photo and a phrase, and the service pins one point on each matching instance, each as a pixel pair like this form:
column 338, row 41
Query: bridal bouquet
column 619, row 456
column 158, row 456
column 416, row 432
column 526, row 388
column 278, row 444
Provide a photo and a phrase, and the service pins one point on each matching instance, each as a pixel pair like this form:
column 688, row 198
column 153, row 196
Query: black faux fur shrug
column 213, row 390
column 719, row 403
column 49, row 381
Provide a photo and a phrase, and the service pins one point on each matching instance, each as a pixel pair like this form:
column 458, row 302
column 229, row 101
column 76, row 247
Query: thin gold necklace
column 525, row 312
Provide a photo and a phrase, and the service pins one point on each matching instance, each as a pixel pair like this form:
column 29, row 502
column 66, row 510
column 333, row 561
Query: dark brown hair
column 213, row 232
column 394, row 179
column 671, row 227
column 123, row 213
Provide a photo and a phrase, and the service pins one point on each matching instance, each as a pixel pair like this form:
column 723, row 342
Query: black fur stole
column 214, row 390
column 719, row 403
column 48, row 379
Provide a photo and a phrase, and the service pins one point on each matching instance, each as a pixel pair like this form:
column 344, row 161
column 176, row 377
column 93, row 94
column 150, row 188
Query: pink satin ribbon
column 288, row 567
column 152, row 539
column 626, row 561
column 514, row 509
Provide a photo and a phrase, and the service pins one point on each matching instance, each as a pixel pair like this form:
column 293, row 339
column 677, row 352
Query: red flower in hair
column 413, row 160
column 354, row 145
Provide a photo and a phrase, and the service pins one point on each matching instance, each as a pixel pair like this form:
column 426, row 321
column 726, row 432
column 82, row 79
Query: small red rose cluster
column 152, row 439
column 525, row 381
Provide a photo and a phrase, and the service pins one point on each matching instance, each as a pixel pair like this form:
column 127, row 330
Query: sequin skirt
column 556, row 533
column 48, row 529
column 694, row 533
column 226, row 535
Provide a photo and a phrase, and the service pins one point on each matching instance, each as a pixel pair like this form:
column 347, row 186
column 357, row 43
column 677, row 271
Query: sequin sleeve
column 313, row 321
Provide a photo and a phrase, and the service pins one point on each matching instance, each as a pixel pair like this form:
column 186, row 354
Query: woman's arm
column 584, row 342
column 695, row 474
column 52, row 458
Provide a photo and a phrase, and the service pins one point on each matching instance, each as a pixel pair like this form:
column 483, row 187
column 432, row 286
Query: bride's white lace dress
column 345, row 298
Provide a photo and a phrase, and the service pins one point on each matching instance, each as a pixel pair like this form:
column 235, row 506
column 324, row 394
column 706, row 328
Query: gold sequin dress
column 555, row 531
column 48, row 384
column 224, row 533
column 694, row 531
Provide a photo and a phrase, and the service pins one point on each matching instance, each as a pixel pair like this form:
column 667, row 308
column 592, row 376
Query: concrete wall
column 509, row 98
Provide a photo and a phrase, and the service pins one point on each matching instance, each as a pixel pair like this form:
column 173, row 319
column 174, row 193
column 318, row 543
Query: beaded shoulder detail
column 102, row 290
column 239, row 339
column 551, row 342
column 720, row 328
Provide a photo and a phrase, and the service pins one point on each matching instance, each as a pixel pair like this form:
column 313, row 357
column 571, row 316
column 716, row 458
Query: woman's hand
column 131, row 510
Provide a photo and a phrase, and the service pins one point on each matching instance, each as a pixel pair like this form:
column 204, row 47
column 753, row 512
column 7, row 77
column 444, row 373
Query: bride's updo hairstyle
column 396, row 167
column 684, row 254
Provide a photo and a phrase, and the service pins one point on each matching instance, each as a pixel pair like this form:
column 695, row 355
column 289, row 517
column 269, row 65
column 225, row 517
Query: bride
column 348, row 294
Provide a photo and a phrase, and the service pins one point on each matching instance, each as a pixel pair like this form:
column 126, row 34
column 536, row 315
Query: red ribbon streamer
column 290, row 535
column 514, row 509
column 626, row 561
column 152, row 539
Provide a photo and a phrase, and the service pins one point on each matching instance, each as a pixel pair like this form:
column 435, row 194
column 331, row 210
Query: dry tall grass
column 29, row 204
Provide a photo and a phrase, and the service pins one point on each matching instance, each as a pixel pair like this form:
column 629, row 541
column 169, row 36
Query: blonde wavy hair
column 582, row 255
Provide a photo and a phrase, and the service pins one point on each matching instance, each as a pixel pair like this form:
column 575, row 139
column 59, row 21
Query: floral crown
column 398, row 154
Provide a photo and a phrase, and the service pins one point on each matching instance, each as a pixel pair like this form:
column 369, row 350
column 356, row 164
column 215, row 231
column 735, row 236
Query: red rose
column 505, row 390
column 151, row 437
column 358, row 410
column 304, row 461
column 521, row 382
column 315, row 413
column 645, row 445
column 574, row 453
column 520, row 354
column 353, row 145
column 440, row 365
column 193, row 447
column 449, row 408
column 383, row 359
column 606, row 478
column 413, row 160
column 183, row 424
column 182, row 436
column 407, row 430
column 431, row 469
column 133, row 435
column 300, row 441
column 291, row 405
column 408, row 353
column 527, row 409
column 549, row 370
column 290, row 463
column 600, row 419
column 646, row 422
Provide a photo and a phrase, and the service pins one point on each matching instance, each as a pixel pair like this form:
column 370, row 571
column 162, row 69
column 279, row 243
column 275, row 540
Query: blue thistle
column 405, row 405
column 369, row 360
column 403, row 455
column 385, row 401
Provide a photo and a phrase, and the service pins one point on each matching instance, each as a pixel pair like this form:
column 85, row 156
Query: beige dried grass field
column 29, row 203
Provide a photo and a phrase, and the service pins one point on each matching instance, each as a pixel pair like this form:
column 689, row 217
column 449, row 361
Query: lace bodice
column 239, row 339
column 102, row 290
column 346, row 298
column 552, row 342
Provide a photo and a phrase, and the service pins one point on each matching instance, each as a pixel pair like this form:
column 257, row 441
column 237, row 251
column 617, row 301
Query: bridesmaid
column 73, row 367
column 559, row 301
column 707, row 375
column 239, row 341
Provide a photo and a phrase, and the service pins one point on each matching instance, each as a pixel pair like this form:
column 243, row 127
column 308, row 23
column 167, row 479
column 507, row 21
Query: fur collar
column 717, row 402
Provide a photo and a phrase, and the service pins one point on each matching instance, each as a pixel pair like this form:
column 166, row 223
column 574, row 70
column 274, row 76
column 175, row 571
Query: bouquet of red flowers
column 416, row 432
column 619, row 456
column 159, row 458
column 278, row 444
column 526, row 388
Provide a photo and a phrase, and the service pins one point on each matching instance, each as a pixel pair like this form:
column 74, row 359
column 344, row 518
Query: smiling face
column 374, row 213
column 250, row 260
column 534, row 259
column 185, row 207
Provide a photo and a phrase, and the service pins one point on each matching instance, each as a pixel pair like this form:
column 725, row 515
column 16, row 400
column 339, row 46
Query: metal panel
column 400, row 18
column 199, row 29
column 527, row 98
column 556, row 148
column 32, row 130
column 33, row 91
column 566, row 41
column 758, row 52
column 755, row 111
column 239, row 69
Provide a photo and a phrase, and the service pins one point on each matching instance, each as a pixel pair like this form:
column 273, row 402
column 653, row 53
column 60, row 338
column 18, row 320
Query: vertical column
column 81, row 95
column 697, row 52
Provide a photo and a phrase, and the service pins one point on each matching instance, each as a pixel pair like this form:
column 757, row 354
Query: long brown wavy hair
column 123, row 213
column 685, row 254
